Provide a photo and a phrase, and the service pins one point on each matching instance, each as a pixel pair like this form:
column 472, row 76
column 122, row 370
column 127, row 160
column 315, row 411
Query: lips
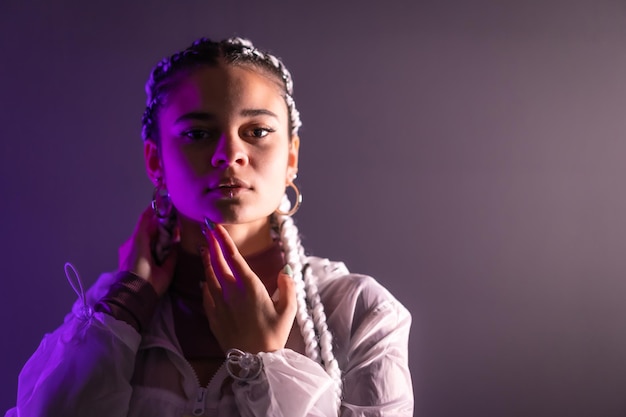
column 229, row 183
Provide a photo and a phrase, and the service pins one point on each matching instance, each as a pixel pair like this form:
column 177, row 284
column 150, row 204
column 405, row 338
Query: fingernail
column 209, row 223
column 288, row 271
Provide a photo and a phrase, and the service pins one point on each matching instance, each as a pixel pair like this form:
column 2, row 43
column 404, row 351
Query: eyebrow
column 258, row 112
column 203, row 116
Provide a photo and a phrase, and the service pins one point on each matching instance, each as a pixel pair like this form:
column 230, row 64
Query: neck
column 249, row 238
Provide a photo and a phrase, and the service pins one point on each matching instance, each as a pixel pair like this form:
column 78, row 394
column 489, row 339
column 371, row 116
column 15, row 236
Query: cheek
column 197, row 158
column 182, row 178
column 276, row 175
column 184, row 161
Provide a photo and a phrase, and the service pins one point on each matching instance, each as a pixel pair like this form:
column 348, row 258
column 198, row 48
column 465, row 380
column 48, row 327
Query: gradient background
column 468, row 154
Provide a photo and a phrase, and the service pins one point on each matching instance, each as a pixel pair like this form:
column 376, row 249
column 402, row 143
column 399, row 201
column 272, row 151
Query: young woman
column 216, row 310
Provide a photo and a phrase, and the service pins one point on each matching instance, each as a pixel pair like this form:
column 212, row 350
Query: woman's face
column 224, row 141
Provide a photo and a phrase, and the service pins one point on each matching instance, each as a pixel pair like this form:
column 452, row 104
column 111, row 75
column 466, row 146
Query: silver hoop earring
column 161, row 202
column 298, row 203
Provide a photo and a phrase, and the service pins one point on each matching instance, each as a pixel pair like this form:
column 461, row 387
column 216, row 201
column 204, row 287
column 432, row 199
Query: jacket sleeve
column 370, row 341
column 83, row 367
column 291, row 384
column 376, row 377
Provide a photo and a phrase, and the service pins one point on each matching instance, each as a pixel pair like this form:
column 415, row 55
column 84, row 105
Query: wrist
column 131, row 299
column 243, row 366
column 159, row 288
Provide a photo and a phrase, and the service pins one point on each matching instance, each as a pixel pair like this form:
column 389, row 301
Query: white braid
column 325, row 336
column 311, row 318
column 294, row 255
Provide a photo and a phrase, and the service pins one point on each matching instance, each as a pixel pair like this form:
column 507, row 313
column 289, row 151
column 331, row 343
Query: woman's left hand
column 240, row 311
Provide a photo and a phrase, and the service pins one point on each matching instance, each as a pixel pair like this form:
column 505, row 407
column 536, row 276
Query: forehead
column 221, row 90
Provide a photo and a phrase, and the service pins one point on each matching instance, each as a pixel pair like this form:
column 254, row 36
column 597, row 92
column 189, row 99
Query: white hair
column 310, row 314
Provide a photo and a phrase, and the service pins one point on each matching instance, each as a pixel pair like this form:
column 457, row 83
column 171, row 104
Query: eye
column 259, row 132
column 200, row 134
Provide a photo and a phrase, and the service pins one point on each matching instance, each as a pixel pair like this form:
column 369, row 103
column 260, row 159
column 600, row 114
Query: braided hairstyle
column 310, row 314
column 235, row 51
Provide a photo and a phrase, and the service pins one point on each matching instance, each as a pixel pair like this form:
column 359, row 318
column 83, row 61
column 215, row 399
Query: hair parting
column 233, row 51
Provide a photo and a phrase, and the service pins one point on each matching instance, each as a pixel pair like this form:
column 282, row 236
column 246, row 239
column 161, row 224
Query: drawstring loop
column 84, row 311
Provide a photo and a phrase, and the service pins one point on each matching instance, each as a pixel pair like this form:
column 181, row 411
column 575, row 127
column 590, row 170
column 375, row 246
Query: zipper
column 199, row 406
column 202, row 393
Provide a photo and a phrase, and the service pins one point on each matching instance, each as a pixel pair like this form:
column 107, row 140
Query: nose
column 230, row 150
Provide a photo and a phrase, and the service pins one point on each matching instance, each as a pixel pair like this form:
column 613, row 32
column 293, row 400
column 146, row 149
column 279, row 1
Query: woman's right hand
column 135, row 255
column 240, row 311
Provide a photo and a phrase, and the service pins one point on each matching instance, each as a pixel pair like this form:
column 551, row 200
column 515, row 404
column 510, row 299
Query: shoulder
column 361, row 294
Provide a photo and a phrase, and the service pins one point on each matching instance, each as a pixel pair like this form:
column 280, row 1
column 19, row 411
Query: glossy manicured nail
column 209, row 223
column 288, row 271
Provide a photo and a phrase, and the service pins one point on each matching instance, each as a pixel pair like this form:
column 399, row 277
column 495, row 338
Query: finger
column 176, row 234
column 170, row 261
column 287, row 303
column 240, row 269
column 137, row 242
column 212, row 283
column 155, row 240
column 145, row 220
column 146, row 229
column 216, row 257
column 124, row 249
column 208, row 302
column 219, row 265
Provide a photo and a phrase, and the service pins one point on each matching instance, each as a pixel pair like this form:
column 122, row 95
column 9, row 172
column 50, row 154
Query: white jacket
column 94, row 365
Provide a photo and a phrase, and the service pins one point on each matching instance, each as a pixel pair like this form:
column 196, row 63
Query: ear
column 292, row 161
column 153, row 161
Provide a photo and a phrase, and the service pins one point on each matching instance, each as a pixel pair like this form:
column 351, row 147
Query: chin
column 224, row 216
column 233, row 217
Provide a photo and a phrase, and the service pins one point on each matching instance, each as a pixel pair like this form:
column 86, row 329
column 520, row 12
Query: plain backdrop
column 467, row 154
